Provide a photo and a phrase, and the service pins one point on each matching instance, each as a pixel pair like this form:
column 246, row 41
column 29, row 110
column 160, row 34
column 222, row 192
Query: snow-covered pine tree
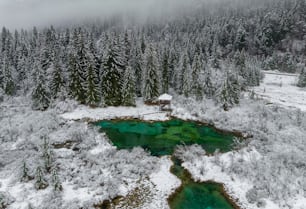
column 9, row 85
column 40, row 95
column 165, row 72
column 302, row 79
column 40, row 182
column 229, row 92
column 208, row 87
column 186, row 82
column 128, row 88
column 25, row 172
column 151, row 88
column 92, row 88
column 136, row 63
column 241, row 38
column 112, row 76
column 57, row 80
column 57, row 186
column 181, row 74
column 75, row 84
column 196, row 88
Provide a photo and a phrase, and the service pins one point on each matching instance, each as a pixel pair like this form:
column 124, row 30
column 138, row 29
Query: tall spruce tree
column 165, row 72
column 40, row 95
column 196, row 87
column 75, row 82
column 112, row 76
column 129, row 88
column 151, row 89
column 229, row 93
column 92, row 88
column 302, row 79
column 57, row 80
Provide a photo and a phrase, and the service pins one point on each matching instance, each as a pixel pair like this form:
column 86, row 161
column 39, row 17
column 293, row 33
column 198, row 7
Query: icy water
column 161, row 138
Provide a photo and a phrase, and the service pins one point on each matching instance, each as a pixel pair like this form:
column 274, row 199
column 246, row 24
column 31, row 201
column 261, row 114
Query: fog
column 16, row 14
column 27, row 13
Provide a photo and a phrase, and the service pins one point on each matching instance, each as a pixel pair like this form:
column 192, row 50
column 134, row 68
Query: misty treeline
column 215, row 55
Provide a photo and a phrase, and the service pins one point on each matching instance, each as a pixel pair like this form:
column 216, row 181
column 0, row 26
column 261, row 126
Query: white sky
column 27, row 13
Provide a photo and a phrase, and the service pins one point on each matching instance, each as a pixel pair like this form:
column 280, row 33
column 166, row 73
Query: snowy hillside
column 280, row 88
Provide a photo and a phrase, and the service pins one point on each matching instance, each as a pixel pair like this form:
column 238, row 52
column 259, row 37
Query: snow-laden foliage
column 272, row 162
column 88, row 62
column 45, row 162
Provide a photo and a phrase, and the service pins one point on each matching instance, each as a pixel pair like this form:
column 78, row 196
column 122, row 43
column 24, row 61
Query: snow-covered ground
column 268, row 173
column 280, row 88
column 90, row 169
column 141, row 111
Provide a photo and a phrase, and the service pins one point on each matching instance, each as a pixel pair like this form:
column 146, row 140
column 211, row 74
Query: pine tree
column 25, row 172
column 47, row 154
column 136, row 63
column 151, row 89
column 10, row 87
column 92, row 87
column 186, row 82
column 165, row 73
column 75, row 84
column 57, row 81
column 208, row 87
column 196, row 88
column 182, row 75
column 128, row 88
column 229, row 93
column 40, row 182
column 112, row 76
column 40, row 95
column 57, row 186
column 302, row 79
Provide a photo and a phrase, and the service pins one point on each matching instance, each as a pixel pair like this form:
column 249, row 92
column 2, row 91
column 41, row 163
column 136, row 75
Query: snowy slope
column 280, row 88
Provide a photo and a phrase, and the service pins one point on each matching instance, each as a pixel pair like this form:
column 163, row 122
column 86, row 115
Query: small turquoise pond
column 160, row 138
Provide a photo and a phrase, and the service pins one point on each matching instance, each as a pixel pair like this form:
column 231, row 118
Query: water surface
column 160, row 138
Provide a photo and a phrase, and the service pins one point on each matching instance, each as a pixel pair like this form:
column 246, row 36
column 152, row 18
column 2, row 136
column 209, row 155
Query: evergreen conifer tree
column 25, row 172
column 151, row 89
column 112, row 76
column 196, row 87
column 57, row 80
column 57, row 186
column 302, row 79
column 40, row 182
column 165, row 73
column 128, row 88
column 229, row 92
column 40, row 95
column 92, row 87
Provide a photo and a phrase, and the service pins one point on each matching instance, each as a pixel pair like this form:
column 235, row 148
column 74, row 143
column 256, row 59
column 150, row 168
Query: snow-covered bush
column 5, row 200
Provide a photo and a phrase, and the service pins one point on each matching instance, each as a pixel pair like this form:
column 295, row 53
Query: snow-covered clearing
column 280, row 88
column 141, row 111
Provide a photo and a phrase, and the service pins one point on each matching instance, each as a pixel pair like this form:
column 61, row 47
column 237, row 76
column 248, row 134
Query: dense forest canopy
column 215, row 50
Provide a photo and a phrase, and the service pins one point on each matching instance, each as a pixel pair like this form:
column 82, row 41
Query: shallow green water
column 195, row 195
column 160, row 138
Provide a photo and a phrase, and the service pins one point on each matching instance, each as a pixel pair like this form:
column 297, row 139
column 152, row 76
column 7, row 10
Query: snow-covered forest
column 211, row 58
column 207, row 54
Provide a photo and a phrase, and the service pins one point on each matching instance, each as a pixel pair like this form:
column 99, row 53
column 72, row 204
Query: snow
column 235, row 187
column 165, row 97
column 280, row 88
column 70, row 193
column 165, row 181
column 141, row 111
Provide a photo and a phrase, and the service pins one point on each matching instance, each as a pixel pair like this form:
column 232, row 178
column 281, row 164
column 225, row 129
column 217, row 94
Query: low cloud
column 27, row 13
